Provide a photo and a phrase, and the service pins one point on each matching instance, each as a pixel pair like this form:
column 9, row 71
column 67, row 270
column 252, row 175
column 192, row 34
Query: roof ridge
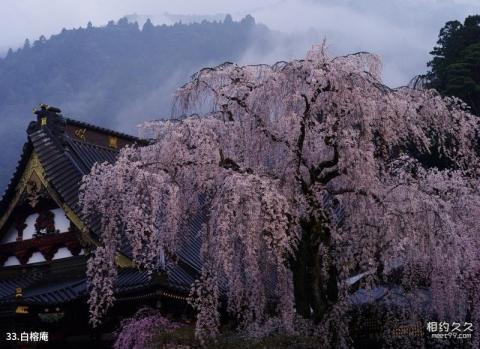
column 104, row 130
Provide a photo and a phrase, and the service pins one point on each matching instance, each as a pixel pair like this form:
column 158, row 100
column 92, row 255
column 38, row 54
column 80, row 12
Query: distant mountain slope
column 172, row 18
column 114, row 76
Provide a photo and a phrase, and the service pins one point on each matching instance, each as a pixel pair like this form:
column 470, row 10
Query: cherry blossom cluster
column 136, row 332
column 387, row 179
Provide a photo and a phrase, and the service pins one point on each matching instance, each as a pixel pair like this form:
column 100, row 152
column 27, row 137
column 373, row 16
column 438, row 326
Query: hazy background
column 402, row 32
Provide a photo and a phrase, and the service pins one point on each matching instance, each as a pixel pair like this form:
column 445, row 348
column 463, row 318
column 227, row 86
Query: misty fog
column 402, row 32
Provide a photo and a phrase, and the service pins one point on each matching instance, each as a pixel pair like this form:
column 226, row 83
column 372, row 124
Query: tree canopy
column 316, row 178
column 455, row 67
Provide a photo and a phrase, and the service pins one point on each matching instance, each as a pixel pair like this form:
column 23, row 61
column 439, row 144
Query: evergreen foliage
column 455, row 67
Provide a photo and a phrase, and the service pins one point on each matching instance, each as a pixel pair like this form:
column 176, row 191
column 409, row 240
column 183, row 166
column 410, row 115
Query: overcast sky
column 401, row 31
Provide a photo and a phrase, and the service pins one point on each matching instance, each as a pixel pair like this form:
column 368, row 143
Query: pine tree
column 455, row 67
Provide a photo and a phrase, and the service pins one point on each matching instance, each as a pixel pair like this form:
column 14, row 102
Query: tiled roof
column 66, row 159
column 63, row 174
column 10, row 191
column 51, row 288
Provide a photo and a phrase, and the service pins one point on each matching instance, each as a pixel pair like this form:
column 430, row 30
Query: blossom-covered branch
column 308, row 155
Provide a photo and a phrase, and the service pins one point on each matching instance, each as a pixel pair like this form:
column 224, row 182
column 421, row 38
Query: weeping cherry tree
column 308, row 172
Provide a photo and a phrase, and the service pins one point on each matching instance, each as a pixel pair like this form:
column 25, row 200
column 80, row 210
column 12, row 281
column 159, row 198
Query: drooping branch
column 311, row 158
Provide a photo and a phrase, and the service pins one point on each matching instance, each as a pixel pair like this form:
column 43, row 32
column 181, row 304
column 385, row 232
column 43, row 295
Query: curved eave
column 9, row 192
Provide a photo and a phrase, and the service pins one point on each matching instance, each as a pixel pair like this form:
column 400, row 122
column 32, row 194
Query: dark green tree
column 148, row 26
column 26, row 44
column 455, row 67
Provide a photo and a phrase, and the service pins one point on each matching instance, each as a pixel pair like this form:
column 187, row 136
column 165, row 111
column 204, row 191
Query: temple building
column 44, row 243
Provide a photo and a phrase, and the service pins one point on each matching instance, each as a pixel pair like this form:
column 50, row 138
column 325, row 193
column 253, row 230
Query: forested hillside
column 114, row 76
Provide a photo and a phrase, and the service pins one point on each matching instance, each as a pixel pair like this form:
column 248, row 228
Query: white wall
column 61, row 221
column 12, row 260
column 62, row 224
column 36, row 257
column 62, row 252
column 30, row 229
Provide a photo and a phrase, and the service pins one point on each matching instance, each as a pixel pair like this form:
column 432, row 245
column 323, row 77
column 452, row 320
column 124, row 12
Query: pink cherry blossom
column 136, row 332
column 389, row 177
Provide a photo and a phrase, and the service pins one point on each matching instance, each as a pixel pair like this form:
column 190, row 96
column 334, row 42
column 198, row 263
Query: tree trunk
column 315, row 276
